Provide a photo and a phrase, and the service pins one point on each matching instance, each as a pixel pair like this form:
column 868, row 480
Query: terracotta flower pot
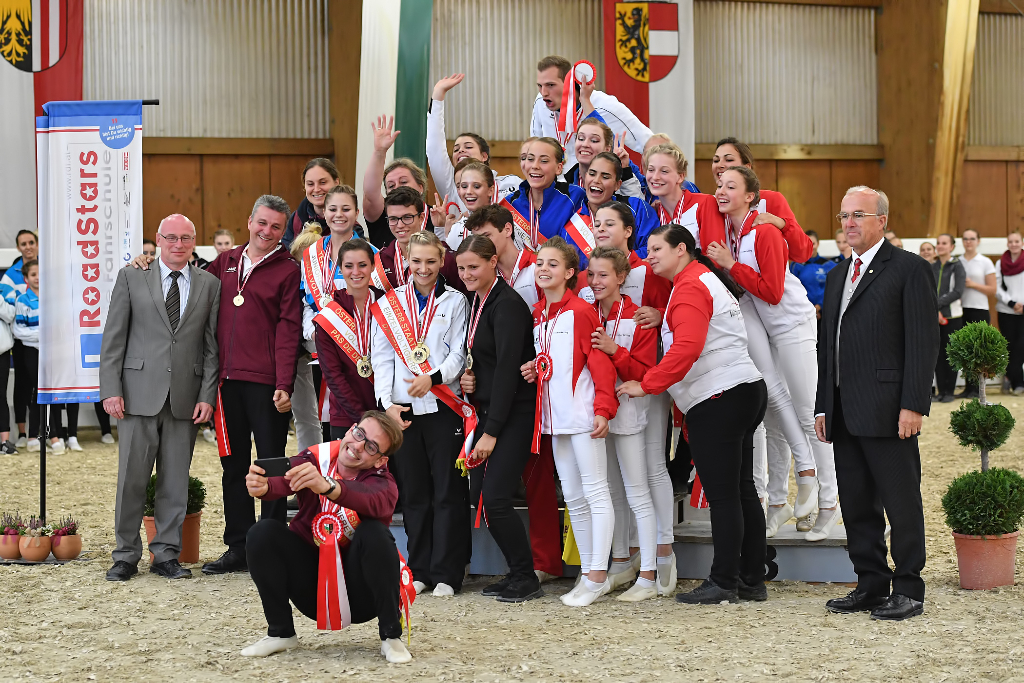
column 986, row 561
column 189, row 537
column 34, row 548
column 67, row 547
column 9, row 549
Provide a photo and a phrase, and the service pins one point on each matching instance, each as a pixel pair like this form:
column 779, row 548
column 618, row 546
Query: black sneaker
column 708, row 593
column 756, row 592
column 521, row 589
column 7, row 448
column 496, row 588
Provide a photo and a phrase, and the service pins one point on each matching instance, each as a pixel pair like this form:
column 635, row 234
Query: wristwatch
column 328, row 492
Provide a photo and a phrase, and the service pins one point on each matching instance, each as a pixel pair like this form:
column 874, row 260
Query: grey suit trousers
column 142, row 441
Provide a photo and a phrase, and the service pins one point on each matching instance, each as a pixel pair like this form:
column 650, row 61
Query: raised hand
column 442, row 87
column 619, row 149
column 383, row 138
column 437, row 211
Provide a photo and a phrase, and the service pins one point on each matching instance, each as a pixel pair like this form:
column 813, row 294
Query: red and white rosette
column 582, row 72
column 543, row 366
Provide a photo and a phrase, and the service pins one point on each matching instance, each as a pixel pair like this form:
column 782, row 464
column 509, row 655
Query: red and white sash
column 319, row 272
column 581, row 231
column 568, row 117
column 351, row 337
column 523, row 231
column 394, row 322
column 379, row 276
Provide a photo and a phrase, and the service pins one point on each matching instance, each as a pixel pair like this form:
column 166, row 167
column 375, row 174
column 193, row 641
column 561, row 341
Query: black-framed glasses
column 369, row 445
column 174, row 239
column 858, row 216
column 407, row 219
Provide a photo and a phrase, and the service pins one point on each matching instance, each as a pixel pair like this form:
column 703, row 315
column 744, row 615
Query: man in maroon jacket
column 258, row 331
column 285, row 563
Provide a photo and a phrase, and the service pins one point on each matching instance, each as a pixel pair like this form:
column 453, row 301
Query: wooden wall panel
column 1015, row 196
column 847, row 174
column 807, row 186
column 767, row 171
column 171, row 184
column 983, row 198
column 286, row 178
column 232, row 185
column 699, row 173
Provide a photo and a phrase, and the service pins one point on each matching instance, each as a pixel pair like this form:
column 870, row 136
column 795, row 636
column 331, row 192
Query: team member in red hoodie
column 260, row 321
column 575, row 401
column 665, row 166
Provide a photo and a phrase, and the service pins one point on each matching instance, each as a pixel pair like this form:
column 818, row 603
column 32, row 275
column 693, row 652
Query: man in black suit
column 879, row 342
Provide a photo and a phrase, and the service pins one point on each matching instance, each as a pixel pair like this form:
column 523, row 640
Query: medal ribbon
column 567, row 123
column 476, row 318
column 604, row 320
column 735, row 239
column 318, row 271
column 351, row 335
column 242, row 279
column 547, row 331
column 418, row 318
column 523, row 228
column 379, row 276
column 393, row 321
column 525, row 257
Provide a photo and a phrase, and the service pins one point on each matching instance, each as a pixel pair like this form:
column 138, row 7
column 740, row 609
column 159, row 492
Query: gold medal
column 421, row 353
column 239, row 299
column 469, row 360
column 364, row 368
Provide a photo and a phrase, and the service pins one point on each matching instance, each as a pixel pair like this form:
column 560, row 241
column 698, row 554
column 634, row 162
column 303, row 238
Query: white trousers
column 582, row 465
column 628, row 484
column 760, row 462
column 795, row 356
column 655, row 435
column 305, row 400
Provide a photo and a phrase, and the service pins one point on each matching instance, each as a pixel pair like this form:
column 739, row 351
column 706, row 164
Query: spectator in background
column 812, row 274
column 8, row 297
column 319, row 176
column 1010, row 308
column 149, row 248
column 198, row 261
column 61, row 439
column 927, row 252
column 893, row 239
column 28, row 245
column 980, row 285
column 949, row 279
column 26, row 330
column 223, row 240
column 843, row 246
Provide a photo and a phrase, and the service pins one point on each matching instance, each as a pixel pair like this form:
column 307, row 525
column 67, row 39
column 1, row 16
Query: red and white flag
column 41, row 50
column 649, row 64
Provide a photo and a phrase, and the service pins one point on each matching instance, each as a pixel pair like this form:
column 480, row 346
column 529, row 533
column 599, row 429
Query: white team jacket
column 617, row 115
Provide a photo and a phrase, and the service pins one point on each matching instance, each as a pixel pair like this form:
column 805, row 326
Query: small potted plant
column 67, row 544
column 983, row 508
column 189, row 527
column 10, row 534
column 35, row 540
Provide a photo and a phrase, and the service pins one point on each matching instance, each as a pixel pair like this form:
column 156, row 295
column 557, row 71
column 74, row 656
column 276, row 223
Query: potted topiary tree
column 189, row 527
column 983, row 508
column 11, row 527
column 67, row 544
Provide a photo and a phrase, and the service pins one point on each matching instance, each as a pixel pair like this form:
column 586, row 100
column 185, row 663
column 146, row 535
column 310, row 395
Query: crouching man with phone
column 338, row 563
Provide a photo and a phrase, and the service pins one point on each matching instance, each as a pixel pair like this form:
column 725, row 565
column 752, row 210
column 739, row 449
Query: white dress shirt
column 184, row 283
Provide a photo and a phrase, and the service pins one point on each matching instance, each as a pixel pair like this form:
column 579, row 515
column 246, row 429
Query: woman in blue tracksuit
column 602, row 184
column 593, row 137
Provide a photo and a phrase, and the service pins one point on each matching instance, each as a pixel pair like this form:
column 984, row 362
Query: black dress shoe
column 496, row 588
column 122, row 571
column 937, row 398
column 756, row 592
column 230, row 561
column 897, row 608
column 521, row 589
column 948, row 398
column 708, row 593
column 856, row 601
column 171, row 569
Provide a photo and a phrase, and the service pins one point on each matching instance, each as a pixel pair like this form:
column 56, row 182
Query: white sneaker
column 107, row 438
column 21, row 442
column 56, row 446
column 268, row 645
column 636, row 593
column 585, row 597
column 543, row 576
column 826, row 522
column 622, row 578
column 575, row 589
column 73, row 444
column 394, row 651
column 668, row 576
column 806, row 497
column 209, row 435
column 443, row 590
column 776, row 518
column 805, row 524
column 32, row 445
column 419, row 586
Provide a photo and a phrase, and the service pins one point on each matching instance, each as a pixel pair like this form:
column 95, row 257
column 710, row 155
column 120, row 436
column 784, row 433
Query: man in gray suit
column 158, row 377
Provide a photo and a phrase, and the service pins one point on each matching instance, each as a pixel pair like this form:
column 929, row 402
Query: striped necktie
column 173, row 301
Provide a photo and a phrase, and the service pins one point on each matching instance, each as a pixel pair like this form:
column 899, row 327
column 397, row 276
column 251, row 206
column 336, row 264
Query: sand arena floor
column 69, row 624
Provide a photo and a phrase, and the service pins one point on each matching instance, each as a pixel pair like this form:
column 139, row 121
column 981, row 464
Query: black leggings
column 284, row 567
column 721, row 431
column 499, row 478
column 1012, row 327
column 30, row 356
column 24, row 381
column 56, row 422
column 434, row 497
column 945, row 374
column 5, row 375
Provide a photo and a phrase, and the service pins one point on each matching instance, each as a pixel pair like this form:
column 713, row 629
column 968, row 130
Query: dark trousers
column 249, row 413
column 30, row 357
column 57, row 423
column 945, row 374
column 721, row 431
column 5, row 375
column 284, row 567
column 881, row 476
column 1011, row 326
column 434, row 497
column 24, row 381
column 498, row 480
column 974, row 315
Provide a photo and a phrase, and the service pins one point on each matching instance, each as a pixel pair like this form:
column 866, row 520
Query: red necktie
column 856, row 270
